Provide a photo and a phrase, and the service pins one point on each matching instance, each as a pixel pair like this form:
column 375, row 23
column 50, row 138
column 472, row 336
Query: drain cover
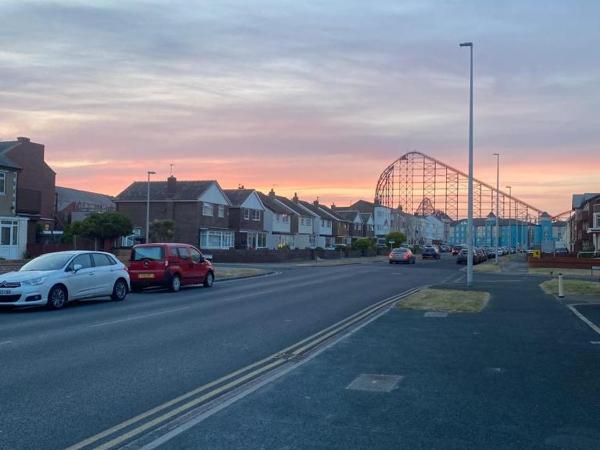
column 435, row 314
column 375, row 382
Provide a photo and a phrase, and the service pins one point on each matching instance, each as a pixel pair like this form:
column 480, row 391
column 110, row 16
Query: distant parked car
column 462, row 257
column 169, row 265
column 54, row 279
column 456, row 249
column 401, row 255
column 561, row 251
column 431, row 252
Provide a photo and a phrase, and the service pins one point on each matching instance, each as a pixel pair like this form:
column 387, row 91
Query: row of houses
column 215, row 218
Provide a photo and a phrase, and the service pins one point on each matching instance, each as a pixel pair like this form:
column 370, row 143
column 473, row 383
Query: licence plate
column 5, row 292
column 146, row 275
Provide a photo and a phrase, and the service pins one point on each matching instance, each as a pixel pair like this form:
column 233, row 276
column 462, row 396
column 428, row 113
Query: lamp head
column 466, row 44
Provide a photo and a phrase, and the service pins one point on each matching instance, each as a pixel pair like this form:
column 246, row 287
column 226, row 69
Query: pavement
column 523, row 373
column 69, row 374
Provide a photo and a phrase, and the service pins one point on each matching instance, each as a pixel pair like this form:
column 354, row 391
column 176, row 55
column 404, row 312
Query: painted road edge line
column 583, row 318
column 286, row 351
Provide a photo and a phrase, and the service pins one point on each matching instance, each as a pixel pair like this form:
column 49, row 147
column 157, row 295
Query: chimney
column 171, row 185
column 316, row 202
column 296, row 199
column 23, row 139
column 333, row 206
column 272, row 193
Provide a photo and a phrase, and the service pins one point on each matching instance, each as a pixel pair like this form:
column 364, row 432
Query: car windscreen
column 145, row 253
column 49, row 261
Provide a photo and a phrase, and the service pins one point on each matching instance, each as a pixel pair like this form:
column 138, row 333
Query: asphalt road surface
column 67, row 375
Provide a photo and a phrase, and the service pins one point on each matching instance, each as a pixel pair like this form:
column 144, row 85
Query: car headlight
column 34, row 281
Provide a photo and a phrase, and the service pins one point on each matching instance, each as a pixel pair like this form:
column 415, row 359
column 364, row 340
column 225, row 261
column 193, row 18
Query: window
column 196, row 255
column 221, row 211
column 184, row 252
column 154, row 253
column 5, row 236
column 101, row 260
column 216, row 239
column 207, row 209
column 2, row 183
column 246, row 214
column 262, row 240
column 285, row 218
column 84, row 260
column 256, row 215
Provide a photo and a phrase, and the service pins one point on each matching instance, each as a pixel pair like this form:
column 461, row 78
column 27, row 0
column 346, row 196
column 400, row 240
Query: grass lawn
column 234, row 272
column 447, row 300
column 487, row 267
column 572, row 287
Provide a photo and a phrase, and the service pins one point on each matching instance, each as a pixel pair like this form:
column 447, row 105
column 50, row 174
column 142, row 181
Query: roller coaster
column 419, row 184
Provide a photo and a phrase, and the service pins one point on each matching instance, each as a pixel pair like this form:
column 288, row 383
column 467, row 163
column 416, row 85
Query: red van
column 168, row 265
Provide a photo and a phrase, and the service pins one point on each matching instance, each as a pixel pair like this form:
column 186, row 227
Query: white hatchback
column 54, row 279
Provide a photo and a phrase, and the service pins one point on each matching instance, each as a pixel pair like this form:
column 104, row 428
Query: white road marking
column 5, row 342
column 595, row 342
column 141, row 316
column 582, row 317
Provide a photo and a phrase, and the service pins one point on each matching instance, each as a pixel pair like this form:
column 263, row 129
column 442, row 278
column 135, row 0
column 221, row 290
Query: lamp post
column 497, row 155
column 148, row 208
column 509, row 217
column 470, row 191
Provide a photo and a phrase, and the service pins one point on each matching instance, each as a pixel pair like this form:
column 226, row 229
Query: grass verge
column 572, row 287
column 488, row 267
column 550, row 271
column 447, row 300
column 227, row 273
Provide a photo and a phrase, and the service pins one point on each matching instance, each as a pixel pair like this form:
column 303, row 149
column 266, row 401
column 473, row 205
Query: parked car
column 456, row 250
column 462, row 257
column 169, row 265
column 431, row 252
column 481, row 255
column 561, row 251
column 54, row 279
column 402, row 255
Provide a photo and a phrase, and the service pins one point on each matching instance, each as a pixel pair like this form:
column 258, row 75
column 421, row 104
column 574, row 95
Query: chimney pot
column 272, row 193
column 23, row 139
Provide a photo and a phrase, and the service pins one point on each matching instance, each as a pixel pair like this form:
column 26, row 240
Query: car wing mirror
column 77, row 268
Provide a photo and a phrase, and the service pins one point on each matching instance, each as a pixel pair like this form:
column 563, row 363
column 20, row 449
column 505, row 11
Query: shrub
column 397, row 237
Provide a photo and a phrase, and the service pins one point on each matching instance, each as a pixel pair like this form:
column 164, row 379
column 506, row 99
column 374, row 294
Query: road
column 67, row 375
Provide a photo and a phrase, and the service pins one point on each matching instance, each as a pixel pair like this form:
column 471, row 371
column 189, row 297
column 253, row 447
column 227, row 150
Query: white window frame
column 3, row 176
column 221, row 210
column 256, row 215
column 205, row 206
column 246, row 214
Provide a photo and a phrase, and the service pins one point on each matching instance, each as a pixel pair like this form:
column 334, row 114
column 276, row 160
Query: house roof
column 363, row 206
column 580, row 199
column 184, row 190
column 333, row 214
column 297, row 209
column 66, row 196
column 238, row 196
column 272, row 204
column 5, row 161
column 347, row 214
column 318, row 211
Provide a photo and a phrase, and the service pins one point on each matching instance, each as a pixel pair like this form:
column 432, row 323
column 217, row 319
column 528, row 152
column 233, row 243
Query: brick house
column 200, row 210
column 341, row 226
column 323, row 227
column 301, row 222
column 74, row 205
column 246, row 218
column 355, row 221
column 35, row 195
column 584, row 224
column 13, row 228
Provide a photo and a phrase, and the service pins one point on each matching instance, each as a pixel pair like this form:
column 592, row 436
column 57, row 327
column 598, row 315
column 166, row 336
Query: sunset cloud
column 314, row 97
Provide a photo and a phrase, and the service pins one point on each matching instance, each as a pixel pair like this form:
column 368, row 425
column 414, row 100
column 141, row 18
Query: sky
column 311, row 97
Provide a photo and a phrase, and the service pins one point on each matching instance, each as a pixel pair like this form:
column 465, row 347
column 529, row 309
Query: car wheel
column 175, row 283
column 209, row 279
column 57, row 297
column 120, row 290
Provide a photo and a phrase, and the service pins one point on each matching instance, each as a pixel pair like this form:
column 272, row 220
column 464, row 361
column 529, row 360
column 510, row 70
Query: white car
column 54, row 279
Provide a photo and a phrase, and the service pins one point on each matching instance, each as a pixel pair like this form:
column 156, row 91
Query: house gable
column 253, row 202
column 215, row 195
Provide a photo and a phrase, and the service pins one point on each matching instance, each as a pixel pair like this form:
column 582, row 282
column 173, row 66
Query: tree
column 362, row 244
column 397, row 237
column 162, row 230
column 106, row 226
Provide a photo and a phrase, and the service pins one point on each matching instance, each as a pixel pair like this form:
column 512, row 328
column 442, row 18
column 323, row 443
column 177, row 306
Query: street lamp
column 497, row 155
column 148, row 208
column 509, row 217
column 470, row 191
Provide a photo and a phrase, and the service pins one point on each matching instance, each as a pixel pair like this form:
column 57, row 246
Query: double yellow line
column 226, row 383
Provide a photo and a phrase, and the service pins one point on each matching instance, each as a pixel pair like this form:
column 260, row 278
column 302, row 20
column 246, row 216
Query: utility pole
column 509, row 217
column 497, row 155
column 148, row 208
column 470, row 195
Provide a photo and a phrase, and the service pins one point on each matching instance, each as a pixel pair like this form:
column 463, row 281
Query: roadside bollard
column 561, row 290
